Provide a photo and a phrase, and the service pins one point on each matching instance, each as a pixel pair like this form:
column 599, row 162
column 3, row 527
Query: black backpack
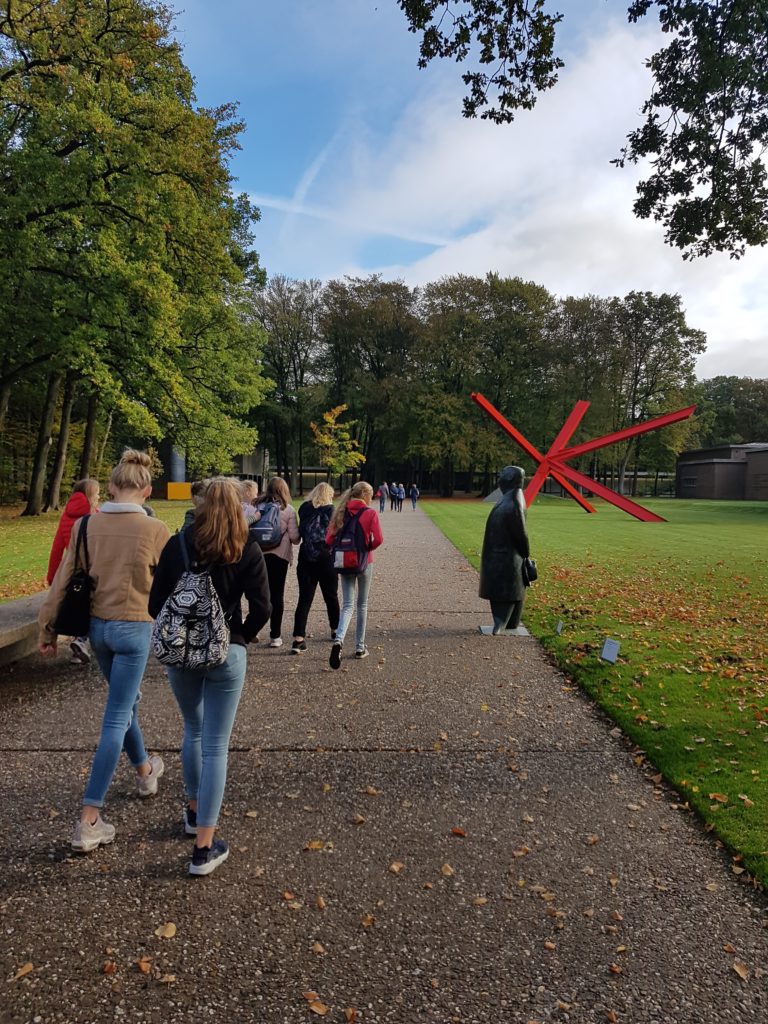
column 313, row 527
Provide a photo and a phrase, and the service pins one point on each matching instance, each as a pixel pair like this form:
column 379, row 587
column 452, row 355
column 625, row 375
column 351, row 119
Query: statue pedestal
column 488, row 631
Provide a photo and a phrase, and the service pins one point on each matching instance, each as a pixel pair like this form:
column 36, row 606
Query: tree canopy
column 705, row 127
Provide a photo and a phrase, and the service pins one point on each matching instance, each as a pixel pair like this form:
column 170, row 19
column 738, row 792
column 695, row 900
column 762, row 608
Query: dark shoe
column 206, row 859
column 298, row 646
column 362, row 654
column 190, row 821
column 335, row 659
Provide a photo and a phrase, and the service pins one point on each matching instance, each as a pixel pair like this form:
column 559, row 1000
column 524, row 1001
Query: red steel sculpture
column 554, row 462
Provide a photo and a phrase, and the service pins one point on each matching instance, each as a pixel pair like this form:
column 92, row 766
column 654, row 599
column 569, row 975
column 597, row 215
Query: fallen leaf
column 396, row 867
column 528, row 818
column 446, row 870
column 745, row 800
column 615, row 969
column 728, row 948
column 737, row 870
column 428, row 885
column 251, row 814
column 320, row 903
column 479, row 901
column 563, row 1006
column 521, row 852
column 710, row 887
column 371, row 791
column 310, row 996
column 326, row 787
column 459, row 832
column 144, row 964
column 444, row 736
column 23, row 971
column 611, row 1017
column 621, row 949
column 368, row 921
column 288, row 895
column 358, row 820
column 549, row 945
column 318, row 948
column 616, row 916
column 319, row 1008
column 294, row 905
column 166, row 931
column 614, row 881
column 634, row 807
column 721, row 798
column 315, row 844
column 588, row 913
column 350, row 1015
column 592, row 840
column 741, row 969
column 167, row 979
column 110, row 967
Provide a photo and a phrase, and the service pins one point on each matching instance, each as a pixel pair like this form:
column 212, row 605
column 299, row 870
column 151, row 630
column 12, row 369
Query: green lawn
column 688, row 602
column 25, row 544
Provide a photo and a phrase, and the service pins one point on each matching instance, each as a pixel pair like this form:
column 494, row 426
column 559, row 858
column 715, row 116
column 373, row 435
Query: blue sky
column 362, row 163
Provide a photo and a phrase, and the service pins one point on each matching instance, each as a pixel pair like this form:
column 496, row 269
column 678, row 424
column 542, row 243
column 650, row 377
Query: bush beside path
column 447, row 831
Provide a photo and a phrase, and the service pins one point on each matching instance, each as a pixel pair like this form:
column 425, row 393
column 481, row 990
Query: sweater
column 369, row 520
column 247, row 577
column 77, row 507
column 289, row 525
column 124, row 547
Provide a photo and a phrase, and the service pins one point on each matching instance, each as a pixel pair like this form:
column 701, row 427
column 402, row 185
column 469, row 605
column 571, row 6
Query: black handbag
column 74, row 615
column 530, row 572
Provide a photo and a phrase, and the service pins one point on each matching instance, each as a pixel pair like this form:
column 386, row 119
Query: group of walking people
column 135, row 567
column 396, row 493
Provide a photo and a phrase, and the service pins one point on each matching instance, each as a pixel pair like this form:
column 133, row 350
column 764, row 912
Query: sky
column 361, row 163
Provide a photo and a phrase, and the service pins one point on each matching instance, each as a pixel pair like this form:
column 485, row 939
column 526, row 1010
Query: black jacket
column 247, row 577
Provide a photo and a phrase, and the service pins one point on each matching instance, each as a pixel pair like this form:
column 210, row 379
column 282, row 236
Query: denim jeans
column 208, row 700
column 350, row 584
column 121, row 649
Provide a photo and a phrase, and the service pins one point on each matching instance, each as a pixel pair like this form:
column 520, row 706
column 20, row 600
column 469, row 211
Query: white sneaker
column 87, row 837
column 276, row 641
column 147, row 784
column 80, row 652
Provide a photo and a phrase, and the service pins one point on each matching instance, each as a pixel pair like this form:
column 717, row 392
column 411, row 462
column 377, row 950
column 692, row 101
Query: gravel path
column 447, row 831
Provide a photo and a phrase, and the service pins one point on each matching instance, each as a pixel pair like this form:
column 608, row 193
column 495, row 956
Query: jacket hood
column 77, row 506
column 356, row 504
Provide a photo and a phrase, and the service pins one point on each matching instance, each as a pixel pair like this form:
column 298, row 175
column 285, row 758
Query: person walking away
column 382, row 494
column 355, row 588
column 124, row 547
column 415, row 493
column 218, row 541
column 197, row 491
column 400, row 497
column 278, row 558
column 83, row 501
column 315, row 564
column 393, row 497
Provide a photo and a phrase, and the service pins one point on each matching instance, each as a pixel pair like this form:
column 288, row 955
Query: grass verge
column 688, row 602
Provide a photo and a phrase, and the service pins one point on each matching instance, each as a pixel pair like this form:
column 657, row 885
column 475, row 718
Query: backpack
column 313, row 529
column 191, row 631
column 268, row 531
column 350, row 548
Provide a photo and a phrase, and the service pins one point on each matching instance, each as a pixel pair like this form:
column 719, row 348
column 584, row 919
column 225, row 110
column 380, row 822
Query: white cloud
column 537, row 199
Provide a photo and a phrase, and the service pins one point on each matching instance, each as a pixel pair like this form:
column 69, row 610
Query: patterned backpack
column 191, row 631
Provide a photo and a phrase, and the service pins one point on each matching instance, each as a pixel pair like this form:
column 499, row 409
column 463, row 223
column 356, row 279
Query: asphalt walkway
column 447, row 831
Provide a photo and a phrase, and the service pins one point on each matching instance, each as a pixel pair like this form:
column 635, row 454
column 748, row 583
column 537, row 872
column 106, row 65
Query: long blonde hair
column 133, row 471
column 320, row 495
column 361, row 490
column 220, row 527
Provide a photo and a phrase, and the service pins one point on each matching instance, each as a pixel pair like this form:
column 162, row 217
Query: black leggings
column 277, row 570
column 309, row 574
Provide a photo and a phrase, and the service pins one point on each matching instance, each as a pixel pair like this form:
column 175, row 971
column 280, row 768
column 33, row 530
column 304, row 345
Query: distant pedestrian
column 279, row 557
column 314, row 564
column 83, row 501
column 382, row 494
column 415, row 494
column 400, row 497
column 355, row 588
column 124, row 547
column 393, row 497
column 208, row 698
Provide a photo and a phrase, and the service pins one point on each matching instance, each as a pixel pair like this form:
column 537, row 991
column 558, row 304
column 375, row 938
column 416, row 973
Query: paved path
column 545, row 877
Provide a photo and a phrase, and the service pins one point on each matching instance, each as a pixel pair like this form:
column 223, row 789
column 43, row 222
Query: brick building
column 729, row 472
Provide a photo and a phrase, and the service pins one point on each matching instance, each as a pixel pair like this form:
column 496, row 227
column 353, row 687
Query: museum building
column 729, row 472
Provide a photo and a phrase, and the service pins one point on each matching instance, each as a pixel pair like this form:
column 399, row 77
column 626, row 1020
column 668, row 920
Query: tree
column 706, row 120
column 734, row 410
column 339, row 451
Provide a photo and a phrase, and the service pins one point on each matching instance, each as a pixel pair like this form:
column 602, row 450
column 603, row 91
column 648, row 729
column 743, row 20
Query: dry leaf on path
column 721, row 798
column 310, row 996
column 396, row 867
column 23, row 971
column 371, row 791
column 728, row 948
column 318, row 948
column 251, row 814
column 479, row 901
column 319, row 1008
column 459, row 832
column 615, row 969
column 110, row 967
column 350, row 1015
column 320, row 903
column 144, row 964
column 167, row 979
column 368, row 921
column 741, row 969
column 549, row 945
column 446, row 870
column 166, row 931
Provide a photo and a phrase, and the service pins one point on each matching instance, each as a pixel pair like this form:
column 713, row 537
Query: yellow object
column 179, row 492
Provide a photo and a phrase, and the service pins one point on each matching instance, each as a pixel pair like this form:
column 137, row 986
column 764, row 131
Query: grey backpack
column 191, row 631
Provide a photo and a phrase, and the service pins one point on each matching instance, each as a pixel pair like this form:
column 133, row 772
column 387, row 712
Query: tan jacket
column 123, row 549
column 289, row 524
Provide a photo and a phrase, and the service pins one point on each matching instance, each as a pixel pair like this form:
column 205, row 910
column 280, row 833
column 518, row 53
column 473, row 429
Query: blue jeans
column 350, row 584
column 208, row 700
column 121, row 649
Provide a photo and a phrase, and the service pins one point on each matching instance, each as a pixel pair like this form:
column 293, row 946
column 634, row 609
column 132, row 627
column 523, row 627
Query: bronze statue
column 505, row 545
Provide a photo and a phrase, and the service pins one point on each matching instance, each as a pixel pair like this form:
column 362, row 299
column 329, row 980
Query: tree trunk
column 5, row 397
column 90, row 433
column 53, row 498
column 40, row 461
column 103, row 445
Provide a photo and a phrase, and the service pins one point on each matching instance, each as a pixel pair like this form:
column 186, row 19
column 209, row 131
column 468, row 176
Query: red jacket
column 369, row 521
column 77, row 507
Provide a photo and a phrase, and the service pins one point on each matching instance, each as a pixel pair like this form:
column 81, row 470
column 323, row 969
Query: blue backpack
column 268, row 530
column 350, row 547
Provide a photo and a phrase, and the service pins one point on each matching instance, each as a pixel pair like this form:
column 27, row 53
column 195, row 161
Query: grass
column 25, row 544
column 688, row 602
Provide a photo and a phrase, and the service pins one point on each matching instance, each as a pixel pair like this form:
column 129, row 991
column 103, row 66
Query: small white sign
column 559, row 627
column 610, row 651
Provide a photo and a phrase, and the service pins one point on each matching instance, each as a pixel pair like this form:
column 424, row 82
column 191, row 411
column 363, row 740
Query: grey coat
column 505, row 545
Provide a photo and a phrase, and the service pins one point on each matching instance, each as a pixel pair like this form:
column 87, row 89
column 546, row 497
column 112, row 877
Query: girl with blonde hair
column 218, row 541
column 280, row 557
column 123, row 548
column 314, row 564
column 355, row 588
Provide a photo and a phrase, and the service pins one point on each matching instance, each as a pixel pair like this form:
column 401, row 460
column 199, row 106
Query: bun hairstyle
column 361, row 490
column 133, row 471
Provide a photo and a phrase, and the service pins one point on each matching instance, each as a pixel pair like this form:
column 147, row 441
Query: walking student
column 124, row 547
column 218, row 541
column 393, row 497
column 280, row 557
column 414, row 493
column 382, row 494
column 355, row 588
column 83, row 501
column 315, row 565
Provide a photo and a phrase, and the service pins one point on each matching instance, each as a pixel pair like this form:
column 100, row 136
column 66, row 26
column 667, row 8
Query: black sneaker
column 298, row 646
column 335, row 659
column 206, row 859
column 190, row 821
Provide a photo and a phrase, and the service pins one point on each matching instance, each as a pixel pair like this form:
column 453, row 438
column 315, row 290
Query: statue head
column 511, row 478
